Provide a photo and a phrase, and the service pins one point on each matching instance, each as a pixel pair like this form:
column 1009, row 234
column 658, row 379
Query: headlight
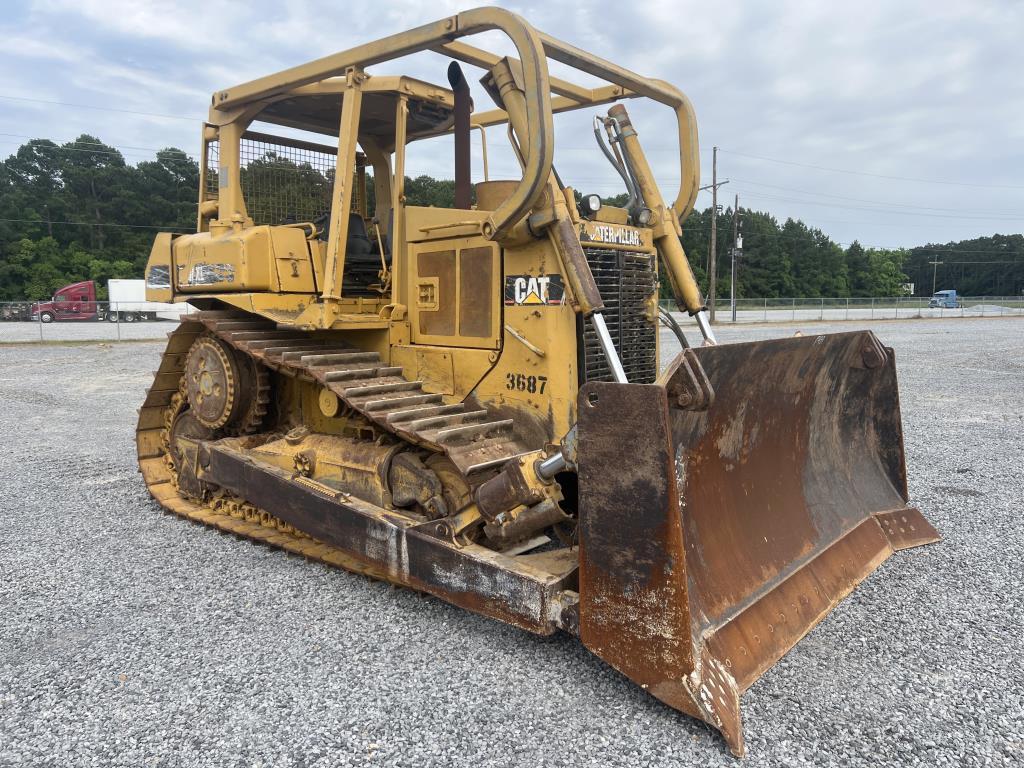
column 644, row 217
column 590, row 204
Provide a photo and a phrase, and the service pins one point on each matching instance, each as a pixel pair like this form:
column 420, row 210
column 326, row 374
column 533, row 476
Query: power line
column 1010, row 217
column 116, row 153
column 178, row 152
column 103, row 109
column 875, row 202
column 868, row 246
column 749, row 236
column 652, row 148
column 162, row 227
column 874, row 175
column 122, row 147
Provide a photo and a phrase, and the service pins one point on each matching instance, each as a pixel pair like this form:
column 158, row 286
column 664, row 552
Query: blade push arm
column 666, row 225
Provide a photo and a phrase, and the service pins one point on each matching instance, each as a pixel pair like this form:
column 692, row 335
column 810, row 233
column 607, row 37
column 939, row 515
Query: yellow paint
column 441, row 321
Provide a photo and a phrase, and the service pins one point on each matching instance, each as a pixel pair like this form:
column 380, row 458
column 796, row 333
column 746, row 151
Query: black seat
column 362, row 257
column 358, row 242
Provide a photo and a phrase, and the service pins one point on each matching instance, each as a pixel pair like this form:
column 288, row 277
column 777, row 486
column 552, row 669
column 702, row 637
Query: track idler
column 726, row 509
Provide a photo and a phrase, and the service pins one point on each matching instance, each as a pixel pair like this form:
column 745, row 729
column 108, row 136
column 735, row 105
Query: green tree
column 765, row 267
column 885, row 275
column 858, row 269
column 78, row 211
column 427, row 191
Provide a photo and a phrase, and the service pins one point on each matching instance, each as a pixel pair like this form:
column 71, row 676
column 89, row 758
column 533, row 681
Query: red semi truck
column 127, row 303
column 72, row 302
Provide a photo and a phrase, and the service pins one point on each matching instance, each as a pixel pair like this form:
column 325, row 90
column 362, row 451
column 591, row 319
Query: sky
column 892, row 123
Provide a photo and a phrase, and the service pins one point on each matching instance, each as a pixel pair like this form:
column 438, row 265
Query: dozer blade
column 723, row 516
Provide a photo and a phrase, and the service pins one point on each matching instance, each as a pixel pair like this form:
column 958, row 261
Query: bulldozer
column 468, row 401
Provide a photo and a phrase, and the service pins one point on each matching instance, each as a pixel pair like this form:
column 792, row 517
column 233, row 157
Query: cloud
column 917, row 89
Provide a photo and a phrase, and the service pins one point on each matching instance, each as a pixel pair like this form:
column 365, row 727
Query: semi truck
column 126, row 303
column 945, row 300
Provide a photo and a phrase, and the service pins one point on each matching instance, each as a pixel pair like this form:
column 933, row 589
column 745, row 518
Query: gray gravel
column 129, row 637
column 85, row 330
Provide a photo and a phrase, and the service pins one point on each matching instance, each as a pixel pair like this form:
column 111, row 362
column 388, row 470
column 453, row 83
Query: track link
column 471, row 438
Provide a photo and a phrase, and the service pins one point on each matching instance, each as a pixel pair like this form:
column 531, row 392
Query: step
column 480, row 456
column 243, row 325
column 241, row 336
column 267, row 343
column 449, row 420
column 406, row 414
column 348, row 374
column 382, row 388
column 297, row 355
column 220, row 314
column 399, row 401
column 467, row 432
column 338, row 358
column 303, row 349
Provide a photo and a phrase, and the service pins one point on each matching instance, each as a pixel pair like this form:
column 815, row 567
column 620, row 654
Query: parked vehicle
column 16, row 310
column 127, row 304
column 72, row 302
column 945, row 300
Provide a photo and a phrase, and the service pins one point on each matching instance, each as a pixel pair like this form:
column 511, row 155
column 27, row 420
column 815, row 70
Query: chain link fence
column 26, row 321
column 23, row 322
column 887, row 308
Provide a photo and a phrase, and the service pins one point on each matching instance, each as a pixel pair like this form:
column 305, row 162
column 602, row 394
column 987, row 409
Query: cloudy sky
column 895, row 123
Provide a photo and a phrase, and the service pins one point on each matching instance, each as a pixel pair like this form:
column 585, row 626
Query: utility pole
column 935, row 272
column 737, row 244
column 713, row 253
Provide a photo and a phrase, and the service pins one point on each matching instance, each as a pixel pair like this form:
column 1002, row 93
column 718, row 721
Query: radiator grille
column 625, row 280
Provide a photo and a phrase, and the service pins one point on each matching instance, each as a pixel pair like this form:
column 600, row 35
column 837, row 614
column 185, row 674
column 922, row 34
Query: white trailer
column 128, row 303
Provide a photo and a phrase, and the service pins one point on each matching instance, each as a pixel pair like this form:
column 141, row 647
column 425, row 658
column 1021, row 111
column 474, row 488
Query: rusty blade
column 784, row 477
column 633, row 610
column 743, row 523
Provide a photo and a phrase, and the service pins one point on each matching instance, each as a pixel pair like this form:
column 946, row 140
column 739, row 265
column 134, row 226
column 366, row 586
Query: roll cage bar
column 534, row 49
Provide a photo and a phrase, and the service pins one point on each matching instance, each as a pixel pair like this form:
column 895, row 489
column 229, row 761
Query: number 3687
column 522, row 382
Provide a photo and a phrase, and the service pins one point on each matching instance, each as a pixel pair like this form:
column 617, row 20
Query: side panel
column 292, row 260
column 454, row 293
column 235, row 261
column 537, row 373
column 158, row 270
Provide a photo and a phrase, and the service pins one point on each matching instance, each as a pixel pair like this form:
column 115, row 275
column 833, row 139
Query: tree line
column 80, row 211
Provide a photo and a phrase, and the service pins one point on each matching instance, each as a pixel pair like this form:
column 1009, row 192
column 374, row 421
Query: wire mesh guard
column 625, row 280
column 211, row 177
column 281, row 182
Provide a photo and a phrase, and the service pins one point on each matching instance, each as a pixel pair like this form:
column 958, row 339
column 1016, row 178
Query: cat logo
column 526, row 290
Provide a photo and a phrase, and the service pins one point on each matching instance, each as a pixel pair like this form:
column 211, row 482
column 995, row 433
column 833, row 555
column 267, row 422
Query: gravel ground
column 130, row 637
column 22, row 332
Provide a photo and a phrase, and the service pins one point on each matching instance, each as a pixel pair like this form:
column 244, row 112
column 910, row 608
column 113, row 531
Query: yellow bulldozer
column 469, row 401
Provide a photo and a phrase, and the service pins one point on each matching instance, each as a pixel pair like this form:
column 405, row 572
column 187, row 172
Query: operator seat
column 362, row 258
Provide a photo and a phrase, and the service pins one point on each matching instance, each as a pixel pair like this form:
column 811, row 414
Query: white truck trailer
column 127, row 303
